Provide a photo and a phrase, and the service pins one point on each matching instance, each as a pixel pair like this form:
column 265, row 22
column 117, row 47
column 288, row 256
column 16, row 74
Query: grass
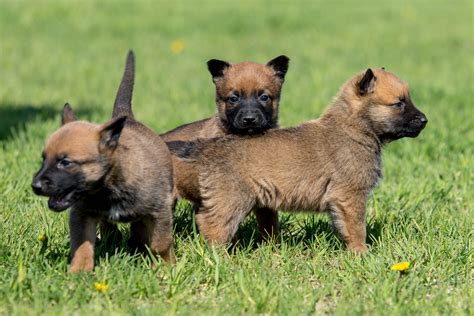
column 422, row 212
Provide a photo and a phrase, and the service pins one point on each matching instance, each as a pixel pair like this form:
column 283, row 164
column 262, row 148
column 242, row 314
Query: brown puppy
column 247, row 99
column 330, row 164
column 117, row 172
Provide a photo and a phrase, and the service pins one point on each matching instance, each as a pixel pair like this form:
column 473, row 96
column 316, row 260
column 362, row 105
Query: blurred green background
column 52, row 52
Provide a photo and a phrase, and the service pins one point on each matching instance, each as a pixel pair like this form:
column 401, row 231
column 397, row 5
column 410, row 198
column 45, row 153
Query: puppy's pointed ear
column 367, row 83
column 110, row 134
column 68, row 115
column 280, row 66
column 217, row 68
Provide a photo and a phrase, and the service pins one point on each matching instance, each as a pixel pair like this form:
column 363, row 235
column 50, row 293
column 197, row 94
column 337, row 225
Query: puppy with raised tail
column 120, row 171
column 330, row 164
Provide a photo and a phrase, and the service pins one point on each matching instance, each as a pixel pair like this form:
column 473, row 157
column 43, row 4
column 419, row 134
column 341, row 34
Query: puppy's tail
column 185, row 150
column 123, row 99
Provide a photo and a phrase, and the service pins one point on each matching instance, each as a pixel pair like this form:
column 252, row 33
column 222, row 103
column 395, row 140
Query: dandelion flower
column 401, row 266
column 42, row 237
column 101, row 287
column 177, row 46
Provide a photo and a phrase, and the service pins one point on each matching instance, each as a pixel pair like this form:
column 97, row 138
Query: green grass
column 422, row 212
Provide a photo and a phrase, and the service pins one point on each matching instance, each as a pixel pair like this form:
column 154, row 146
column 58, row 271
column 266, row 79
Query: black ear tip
column 216, row 63
column 216, row 67
column 279, row 65
column 211, row 62
column 284, row 58
column 368, row 74
column 67, row 115
column 67, row 108
column 280, row 60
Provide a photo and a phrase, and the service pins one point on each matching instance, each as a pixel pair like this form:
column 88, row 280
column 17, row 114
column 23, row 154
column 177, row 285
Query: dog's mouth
column 406, row 132
column 249, row 128
column 59, row 203
column 413, row 131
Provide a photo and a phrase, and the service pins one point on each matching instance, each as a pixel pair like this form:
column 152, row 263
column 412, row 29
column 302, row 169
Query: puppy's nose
column 423, row 120
column 249, row 119
column 36, row 185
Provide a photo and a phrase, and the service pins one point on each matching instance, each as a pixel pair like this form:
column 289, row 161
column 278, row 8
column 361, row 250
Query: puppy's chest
column 123, row 209
column 119, row 213
column 363, row 169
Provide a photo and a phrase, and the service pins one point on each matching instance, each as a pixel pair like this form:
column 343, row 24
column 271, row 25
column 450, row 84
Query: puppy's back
column 282, row 168
column 145, row 158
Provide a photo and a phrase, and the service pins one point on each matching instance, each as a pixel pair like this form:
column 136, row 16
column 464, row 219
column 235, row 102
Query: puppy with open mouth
column 120, row 171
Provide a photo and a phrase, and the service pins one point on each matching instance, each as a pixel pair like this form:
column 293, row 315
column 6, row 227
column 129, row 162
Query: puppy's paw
column 168, row 256
column 81, row 265
column 358, row 249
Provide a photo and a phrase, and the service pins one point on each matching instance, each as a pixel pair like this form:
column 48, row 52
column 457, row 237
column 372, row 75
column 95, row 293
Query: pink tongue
column 55, row 202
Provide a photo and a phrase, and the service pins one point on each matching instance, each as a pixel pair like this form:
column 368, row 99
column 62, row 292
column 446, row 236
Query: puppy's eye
column 234, row 99
column 264, row 98
column 399, row 105
column 64, row 163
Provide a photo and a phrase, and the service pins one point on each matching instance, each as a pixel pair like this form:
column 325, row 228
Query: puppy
column 116, row 172
column 330, row 164
column 247, row 99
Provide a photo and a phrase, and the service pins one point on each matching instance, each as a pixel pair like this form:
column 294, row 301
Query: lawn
column 422, row 212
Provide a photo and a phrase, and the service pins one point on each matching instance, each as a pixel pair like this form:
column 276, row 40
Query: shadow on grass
column 116, row 241
column 295, row 230
column 374, row 231
column 14, row 117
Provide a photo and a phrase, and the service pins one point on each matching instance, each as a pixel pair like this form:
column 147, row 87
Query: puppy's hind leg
column 83, row 235
column 155, row 232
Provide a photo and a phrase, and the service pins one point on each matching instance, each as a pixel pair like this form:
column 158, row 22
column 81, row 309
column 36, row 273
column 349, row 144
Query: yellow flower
column 401, row 266
column 42, row 237
column 177, row 46
column 101, row 287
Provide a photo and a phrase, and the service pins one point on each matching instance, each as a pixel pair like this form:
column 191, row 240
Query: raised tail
column 123, row 99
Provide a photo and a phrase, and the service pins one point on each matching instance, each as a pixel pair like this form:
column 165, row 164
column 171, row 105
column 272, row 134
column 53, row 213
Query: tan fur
column 116, row 172
column 142, row 161
column 246, row 77
column 330, row 164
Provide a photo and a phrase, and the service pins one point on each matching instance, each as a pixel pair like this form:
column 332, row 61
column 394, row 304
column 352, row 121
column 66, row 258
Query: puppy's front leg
column 83, row 235
column 156, row 233
column 349, row 219
column 160, row 230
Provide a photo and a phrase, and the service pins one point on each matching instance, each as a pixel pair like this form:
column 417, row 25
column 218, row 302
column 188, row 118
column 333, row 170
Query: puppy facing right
column 330, row 164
